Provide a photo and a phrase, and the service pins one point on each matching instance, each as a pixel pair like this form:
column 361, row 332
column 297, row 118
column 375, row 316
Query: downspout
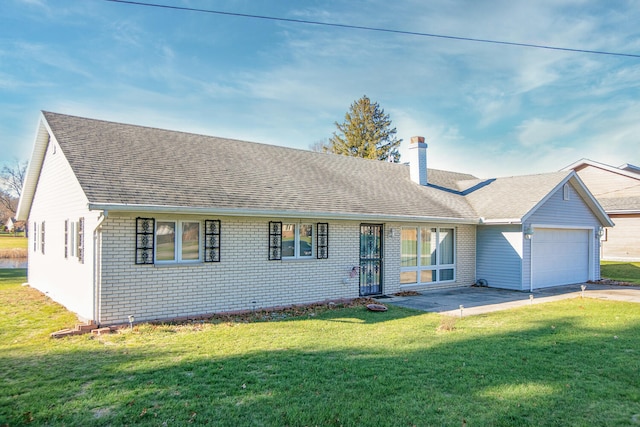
column 530, row 265
column 97, row 263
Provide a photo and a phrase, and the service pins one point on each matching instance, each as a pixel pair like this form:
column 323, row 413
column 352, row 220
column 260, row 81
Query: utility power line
column 365, row 28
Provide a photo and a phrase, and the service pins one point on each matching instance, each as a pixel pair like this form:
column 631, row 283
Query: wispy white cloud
column 47, row 55
column 537, row 132
column 485, row 109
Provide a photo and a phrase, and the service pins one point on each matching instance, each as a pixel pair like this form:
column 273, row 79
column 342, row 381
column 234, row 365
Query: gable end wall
column 559, row 213
column 59, row 197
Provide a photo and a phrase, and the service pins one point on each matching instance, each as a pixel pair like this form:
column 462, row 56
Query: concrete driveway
column 475, row 300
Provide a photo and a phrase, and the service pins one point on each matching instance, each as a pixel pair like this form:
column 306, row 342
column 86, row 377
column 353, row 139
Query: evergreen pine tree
column 366, row 132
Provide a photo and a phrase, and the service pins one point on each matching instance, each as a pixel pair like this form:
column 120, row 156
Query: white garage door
column 560, row 257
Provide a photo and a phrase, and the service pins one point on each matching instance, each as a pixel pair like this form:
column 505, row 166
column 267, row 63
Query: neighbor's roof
column 126, row 166
column 627, row 169
column 610, row 201
column 619, row 205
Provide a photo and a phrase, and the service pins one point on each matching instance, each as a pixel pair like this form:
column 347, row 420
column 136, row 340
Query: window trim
column 319, row 240
column 177, row 249
column 438, row 266
column 74, row 236
column 296, row 241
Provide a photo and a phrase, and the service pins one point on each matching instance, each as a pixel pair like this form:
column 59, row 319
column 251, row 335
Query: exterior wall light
column 600, row 232
column 528, row 233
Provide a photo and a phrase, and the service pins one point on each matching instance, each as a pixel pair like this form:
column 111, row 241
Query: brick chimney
column 418, row 160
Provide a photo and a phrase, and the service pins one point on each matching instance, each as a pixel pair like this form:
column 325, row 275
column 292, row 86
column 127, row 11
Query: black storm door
column 370, row 259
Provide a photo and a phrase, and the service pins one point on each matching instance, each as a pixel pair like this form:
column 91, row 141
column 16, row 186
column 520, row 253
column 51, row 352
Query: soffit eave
column 288, row 214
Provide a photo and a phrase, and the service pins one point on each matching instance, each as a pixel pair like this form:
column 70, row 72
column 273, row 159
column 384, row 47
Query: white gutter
column 273, row 213
column 623, row 211
column 501, row 221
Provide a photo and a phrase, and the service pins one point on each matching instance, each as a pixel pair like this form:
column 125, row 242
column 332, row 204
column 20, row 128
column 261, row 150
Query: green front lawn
column 11, row 242
column 621, row 271
column 570, row 363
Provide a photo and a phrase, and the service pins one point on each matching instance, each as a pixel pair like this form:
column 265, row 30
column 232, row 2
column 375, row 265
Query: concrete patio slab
column 476, row 300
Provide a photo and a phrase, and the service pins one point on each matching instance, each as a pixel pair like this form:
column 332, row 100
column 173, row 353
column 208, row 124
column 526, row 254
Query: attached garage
column 560, row 256
column 529, row 245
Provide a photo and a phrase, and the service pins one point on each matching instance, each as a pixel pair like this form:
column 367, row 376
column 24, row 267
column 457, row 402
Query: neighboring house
column 129, row 220
column 10, row 224
column 13, row 225
column 618, row 192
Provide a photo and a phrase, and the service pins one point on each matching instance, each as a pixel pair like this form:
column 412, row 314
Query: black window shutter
column 144, row 240
column 66, row 238
column 42, row 237
column 275, row 240
column 322, row 240
column 81, row 240
column 212, row 240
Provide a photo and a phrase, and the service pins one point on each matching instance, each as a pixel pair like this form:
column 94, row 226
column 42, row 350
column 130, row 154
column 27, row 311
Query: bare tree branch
column 12, row 177
column 320, row 146
column 11, row 182
column 8, row 203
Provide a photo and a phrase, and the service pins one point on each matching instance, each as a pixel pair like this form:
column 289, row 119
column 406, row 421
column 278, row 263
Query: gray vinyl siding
column 559, row 213
column 498, row 262
column 571, row 213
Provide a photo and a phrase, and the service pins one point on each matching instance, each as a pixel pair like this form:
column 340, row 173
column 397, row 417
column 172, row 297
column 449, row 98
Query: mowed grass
column 621, row 271
column 569, row 363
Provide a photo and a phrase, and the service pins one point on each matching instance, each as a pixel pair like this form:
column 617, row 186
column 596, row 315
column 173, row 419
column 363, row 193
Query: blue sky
column 486, row 109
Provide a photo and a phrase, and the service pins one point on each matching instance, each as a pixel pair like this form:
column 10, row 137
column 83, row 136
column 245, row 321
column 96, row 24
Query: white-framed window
column 177, row 241
column 74, row 239
column 566, row 192
column 427, row 255
column 297, row 240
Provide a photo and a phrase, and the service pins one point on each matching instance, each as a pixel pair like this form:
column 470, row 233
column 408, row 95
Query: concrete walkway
column 476, row 300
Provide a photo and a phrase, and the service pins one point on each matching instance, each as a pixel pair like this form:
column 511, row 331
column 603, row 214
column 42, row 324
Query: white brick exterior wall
column 465, row 255
column 245, row 278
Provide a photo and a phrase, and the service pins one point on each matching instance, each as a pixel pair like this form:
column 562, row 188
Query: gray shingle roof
column 447, row 179
column 511, row 197
column 126, row 164
column 620, row 203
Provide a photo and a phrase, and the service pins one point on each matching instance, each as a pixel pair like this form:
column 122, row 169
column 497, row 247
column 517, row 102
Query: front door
column 370, row 259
